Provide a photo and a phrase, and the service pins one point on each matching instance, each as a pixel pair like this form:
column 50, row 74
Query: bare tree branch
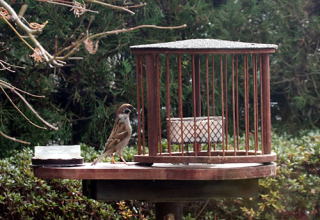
column 40, row 54
column 111, row 6
column 7, row 85
column 21, row 113
column 67, row 4
column 30, row 32
column 16, row 18
column 136, row 6
column 17, row 33
column 34, row 111
column 13, row 139
column 5, row 66
column 104, row 34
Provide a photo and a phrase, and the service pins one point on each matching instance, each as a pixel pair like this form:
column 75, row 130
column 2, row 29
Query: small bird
column 120, row 134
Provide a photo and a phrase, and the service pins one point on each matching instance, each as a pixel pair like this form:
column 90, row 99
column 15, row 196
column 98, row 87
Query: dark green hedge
column 293, row 194
column 24, row 196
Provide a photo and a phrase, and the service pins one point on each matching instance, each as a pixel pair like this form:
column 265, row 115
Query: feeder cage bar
column 168, row 101
column 139, row 102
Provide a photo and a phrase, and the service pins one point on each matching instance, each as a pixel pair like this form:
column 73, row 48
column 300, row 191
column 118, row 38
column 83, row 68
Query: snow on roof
column 205, row 44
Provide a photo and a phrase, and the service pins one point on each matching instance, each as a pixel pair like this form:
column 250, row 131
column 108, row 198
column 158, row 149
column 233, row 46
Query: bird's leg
column 112, row 159
column 123, row 160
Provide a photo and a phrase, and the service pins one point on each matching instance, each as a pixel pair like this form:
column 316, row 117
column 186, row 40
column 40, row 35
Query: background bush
column 24, row 196
column 293, row 194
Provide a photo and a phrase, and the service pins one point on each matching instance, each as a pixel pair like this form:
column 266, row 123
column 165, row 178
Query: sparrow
column 120, row 134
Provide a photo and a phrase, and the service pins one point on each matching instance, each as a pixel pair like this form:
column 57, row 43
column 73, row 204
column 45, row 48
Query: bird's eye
column 127, row 111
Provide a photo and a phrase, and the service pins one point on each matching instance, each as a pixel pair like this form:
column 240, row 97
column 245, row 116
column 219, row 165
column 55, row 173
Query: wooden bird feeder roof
column 202, row 45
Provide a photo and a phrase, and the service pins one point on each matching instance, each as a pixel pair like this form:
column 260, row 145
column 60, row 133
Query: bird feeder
column 204, row 101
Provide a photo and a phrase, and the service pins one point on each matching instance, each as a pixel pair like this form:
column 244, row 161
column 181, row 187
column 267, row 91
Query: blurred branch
column 5, row 66
column 82, row 8
column 73, row 48
column 13, row 139
column 69, row 4
column 8, row 85
column 21, row 113
column 13, row 89
column 111, row 6
column 39, row 52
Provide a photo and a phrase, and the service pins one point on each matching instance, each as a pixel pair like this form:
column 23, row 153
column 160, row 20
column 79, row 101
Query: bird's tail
column 98, row 159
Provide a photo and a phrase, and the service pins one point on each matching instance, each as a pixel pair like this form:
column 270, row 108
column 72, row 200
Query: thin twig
column 136, row 6
column 17, row 33
column 103, row 34
column 17, row 108
column 5, row 66
column 202, row 209
column 118, row 31
column 111, row 6
column 67, row 4
column 14, row 139
column 8, row 85
column 16, row 18
column 3, row 83
column 34, row 111
column 30, row 32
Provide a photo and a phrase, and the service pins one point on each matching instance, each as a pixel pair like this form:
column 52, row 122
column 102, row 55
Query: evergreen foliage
column 81, row 97
column 294, row 193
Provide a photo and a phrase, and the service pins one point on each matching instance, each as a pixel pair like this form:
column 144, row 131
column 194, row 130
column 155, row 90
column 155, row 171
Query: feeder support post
column 152, row 103
column 266, row 113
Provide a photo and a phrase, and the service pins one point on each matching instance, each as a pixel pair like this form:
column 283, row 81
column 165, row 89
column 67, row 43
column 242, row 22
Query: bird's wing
column 118, row 133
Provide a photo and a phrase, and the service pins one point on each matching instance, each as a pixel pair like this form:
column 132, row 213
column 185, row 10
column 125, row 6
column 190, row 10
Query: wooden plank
column 266, row 114
column 168, row 190
column 265, row 158
column 109, row 171
column 152, row 101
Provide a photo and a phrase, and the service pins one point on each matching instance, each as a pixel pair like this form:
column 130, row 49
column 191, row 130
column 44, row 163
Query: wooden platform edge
column 122, row 172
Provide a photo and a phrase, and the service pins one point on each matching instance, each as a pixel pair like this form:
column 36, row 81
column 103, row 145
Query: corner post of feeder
column 138, row 95
column 152, row 102
column 266, row 114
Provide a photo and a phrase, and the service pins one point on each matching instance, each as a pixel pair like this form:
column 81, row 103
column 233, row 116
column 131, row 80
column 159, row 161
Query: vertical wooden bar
column 266, row 103
column 198, row 93
column 226, row 100
column 213, row 89
column 168, row 102
column 255, row 103
column 194, row 104
column 137, row 59
column 152, row 102
column 180, row 107
column 142, row 71
column 158, row 66
column 213, row 94
column 261, row 105
column 246, row 102
column 234, row 109
column 237, row 100
column 222, row 104
column 208, row 105
column 198, row 85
